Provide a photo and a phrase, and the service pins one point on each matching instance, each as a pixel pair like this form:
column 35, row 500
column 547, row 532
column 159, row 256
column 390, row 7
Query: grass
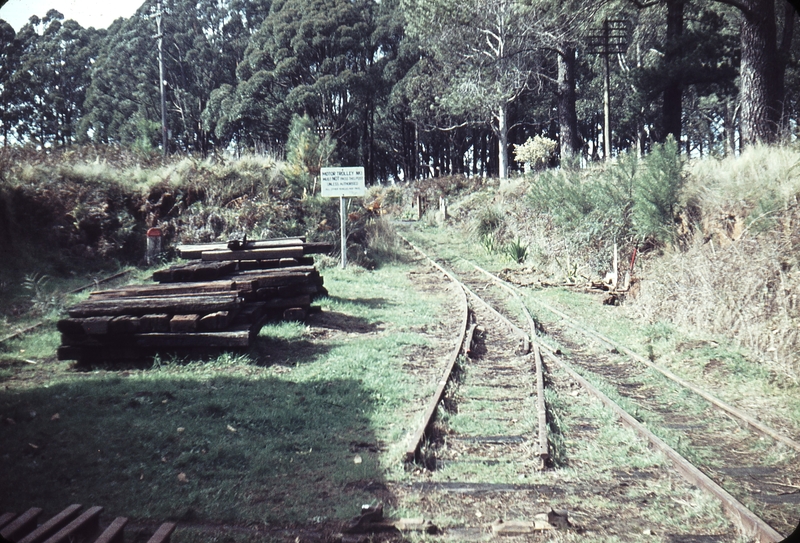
column 262, row 437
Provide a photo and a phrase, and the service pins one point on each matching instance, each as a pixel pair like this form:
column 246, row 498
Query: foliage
column 306, row 154
column 630, row 201
column 536, row 151
column 517, row 251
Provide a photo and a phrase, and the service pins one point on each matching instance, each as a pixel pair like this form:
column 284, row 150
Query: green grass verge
column 293, row 430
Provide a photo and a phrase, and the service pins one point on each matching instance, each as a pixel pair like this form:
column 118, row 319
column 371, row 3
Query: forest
column 409, row 88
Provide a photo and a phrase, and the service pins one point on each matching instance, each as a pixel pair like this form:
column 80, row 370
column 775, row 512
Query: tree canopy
column 409, row 88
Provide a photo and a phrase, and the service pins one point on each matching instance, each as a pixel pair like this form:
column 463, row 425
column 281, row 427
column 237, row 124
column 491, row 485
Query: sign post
column 344, row 183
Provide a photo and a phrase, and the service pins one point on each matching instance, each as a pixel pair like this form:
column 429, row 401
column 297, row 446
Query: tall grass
column 738, row 276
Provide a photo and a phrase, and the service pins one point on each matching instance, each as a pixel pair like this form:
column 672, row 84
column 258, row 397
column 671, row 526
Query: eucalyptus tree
column 489, row 52
column 52, row 77
column 312, row 57
column 10, row 52
column 122, row 101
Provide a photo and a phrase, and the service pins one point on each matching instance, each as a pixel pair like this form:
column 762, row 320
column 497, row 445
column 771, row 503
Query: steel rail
column 734, row 411
column 95, row 283
column 544, row 452
column 543, row 449
column 418, row 436
column 73, row 291
column 750, row 524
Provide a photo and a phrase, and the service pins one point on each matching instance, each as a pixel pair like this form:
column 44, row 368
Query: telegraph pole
column 611, row 40
column 160, row 37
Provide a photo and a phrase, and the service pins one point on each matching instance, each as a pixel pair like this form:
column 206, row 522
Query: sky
column 96, row 13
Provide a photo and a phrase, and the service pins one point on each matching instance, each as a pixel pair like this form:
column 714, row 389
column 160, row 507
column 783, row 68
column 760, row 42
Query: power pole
column 611, row 40
column 160, row 37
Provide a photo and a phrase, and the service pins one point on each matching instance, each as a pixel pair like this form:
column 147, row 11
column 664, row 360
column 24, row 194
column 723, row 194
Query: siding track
column 707, row 438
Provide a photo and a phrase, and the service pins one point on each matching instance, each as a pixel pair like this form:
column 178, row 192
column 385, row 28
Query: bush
column 631, row 201
column 306, row 154
column 536, row 152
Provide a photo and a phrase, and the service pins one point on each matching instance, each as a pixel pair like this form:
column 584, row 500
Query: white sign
column 343, row 182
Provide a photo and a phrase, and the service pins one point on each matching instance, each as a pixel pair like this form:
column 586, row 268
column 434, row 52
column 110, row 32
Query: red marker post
column 153, row 245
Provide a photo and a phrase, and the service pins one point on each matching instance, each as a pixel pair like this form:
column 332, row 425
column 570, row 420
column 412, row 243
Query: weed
column 516, row 251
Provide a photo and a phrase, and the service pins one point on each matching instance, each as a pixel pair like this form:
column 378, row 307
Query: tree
column 10, row 52
column 763, row 67
column 489, row 49
column 53, row 75
column 314, row 58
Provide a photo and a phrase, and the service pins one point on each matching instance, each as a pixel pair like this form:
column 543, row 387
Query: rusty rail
column 73, row 291
column 750, row 524
column 735, row 412
column 543, row 449
column 419, row 435
column 544, row 452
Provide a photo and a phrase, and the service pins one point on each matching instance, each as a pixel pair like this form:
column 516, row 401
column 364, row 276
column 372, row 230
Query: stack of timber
column 218, row 300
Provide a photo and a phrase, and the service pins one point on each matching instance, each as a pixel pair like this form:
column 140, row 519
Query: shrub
column 306, row 154
column 516, row 251
column 536, row 152
column 629, row 201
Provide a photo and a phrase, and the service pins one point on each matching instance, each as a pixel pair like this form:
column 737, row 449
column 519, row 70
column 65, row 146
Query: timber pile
column 71, row 525
column 218, row 300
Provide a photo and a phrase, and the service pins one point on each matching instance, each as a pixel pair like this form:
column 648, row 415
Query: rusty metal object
column 750, row 524
column 418, row 436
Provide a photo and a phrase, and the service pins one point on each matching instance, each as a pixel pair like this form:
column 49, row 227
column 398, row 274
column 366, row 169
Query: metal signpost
column 344, row 183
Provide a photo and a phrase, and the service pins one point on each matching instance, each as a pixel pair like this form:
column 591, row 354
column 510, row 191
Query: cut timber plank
column 155, row 323
column 22, row 525
column 124, row 325
column 237, row 337
column 85, row 525
column 163, row 533
column 52, row 525
column 172, row 289
column 258, row 272
column 143, row 306
column 196, row 271
column 115, row 533
column 215, row 321
column 283, row 280
column 89, row 326
column 193, row 251
column 275, row 263
column 184, row 323
column 253, row 254
column 5, row 518
column 284, row 303
column 311, row 248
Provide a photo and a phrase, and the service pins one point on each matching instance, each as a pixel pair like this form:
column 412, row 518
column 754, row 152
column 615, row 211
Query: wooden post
column 419, row 207
column 343, row 222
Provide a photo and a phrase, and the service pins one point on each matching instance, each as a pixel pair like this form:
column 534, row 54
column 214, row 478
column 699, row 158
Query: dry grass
column 737, row 275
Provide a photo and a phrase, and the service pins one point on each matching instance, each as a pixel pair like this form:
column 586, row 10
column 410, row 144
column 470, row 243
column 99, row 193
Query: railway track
column 711, row 437
column 739, row 455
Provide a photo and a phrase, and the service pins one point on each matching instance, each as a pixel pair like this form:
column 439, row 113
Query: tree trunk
column 569, row 140
column 673, row 92
column 759, row 73
column 502, row 141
